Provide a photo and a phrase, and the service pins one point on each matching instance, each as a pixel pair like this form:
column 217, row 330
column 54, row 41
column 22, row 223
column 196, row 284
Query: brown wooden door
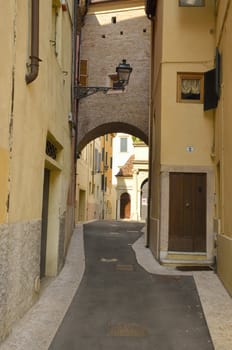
column 125, row 206
column 187, row 212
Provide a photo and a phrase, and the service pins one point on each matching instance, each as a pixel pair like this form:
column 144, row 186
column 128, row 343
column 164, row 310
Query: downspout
column 150, row 9
column 34, row 57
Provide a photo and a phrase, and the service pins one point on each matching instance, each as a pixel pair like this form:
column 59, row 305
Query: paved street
column 120, row 305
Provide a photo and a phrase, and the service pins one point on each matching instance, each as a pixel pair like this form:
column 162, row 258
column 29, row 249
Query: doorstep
column 186, row 259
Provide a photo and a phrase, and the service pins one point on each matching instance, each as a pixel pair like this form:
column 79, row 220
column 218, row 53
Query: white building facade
column 130, row 176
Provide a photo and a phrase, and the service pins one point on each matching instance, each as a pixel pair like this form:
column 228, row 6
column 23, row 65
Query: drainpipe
column 34, row 57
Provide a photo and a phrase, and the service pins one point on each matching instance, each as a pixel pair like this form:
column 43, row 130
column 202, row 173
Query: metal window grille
column 51, row 150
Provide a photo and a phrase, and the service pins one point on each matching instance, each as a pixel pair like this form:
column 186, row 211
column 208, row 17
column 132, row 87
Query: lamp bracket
column 85, row 91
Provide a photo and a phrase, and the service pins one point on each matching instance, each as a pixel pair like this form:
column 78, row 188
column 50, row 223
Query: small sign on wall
column 190, row 149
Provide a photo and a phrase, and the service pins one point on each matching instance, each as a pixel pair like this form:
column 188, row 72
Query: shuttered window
column 190, row 87
column 84, row 72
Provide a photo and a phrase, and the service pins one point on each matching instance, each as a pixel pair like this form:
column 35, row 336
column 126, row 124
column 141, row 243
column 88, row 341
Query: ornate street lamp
column 123, row 71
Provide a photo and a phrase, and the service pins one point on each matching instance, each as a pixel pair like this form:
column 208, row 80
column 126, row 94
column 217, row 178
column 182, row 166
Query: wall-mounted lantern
column 123, row 71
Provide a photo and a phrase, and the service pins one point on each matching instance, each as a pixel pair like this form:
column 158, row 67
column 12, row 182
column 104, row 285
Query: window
column 95, row 160
column 106, row 159
column 103, row 154
column 123, row 144
column 102, row 182
column 83, row 72
column 99, row 162
column 190, row 87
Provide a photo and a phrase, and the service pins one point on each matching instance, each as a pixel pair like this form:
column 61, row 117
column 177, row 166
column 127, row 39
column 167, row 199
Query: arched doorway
column 125, row 206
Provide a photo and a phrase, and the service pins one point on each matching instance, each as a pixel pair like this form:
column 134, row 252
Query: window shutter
column 102, row 182
column 210, row 94
column 83, row 72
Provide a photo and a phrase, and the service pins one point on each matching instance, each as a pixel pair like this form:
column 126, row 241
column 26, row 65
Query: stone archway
column 86, row 135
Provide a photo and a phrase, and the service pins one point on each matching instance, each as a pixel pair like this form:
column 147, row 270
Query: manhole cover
column 120, row 267
column 127, row 330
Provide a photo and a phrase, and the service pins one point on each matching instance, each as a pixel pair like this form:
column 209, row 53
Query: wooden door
column 43, row 247
column 187, row 212
column 125, row 206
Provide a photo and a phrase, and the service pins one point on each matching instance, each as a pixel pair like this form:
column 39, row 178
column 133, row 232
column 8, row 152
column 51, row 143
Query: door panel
column 187, row 212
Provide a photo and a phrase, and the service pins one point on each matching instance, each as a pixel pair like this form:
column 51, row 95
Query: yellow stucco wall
column 223, row 142
column 4, row 163
column 184, row 124
column 183, row 41
column 39, row 107
column 223, row 116
column 188, row 46
column 5, row 105
column 30, row 113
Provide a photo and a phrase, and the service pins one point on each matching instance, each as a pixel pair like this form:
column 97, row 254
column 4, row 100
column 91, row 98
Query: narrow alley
column 115, row 158
column 120, row 305
column 42, row 326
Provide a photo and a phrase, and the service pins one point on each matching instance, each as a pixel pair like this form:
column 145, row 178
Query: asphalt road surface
column 120, row 306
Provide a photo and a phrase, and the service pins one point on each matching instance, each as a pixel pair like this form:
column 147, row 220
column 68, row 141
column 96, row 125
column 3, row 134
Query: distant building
column 130, row 178
column 94, row 180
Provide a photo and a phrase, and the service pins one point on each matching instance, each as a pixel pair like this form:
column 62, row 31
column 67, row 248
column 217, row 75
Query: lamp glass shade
column 124, row 70
column 191, row 3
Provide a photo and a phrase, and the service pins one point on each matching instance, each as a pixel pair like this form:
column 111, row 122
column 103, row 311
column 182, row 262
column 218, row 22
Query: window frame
column 123, row 138
column 190, row 76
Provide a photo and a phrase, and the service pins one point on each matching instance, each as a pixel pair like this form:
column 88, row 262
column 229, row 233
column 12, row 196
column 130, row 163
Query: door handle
column 187, row 204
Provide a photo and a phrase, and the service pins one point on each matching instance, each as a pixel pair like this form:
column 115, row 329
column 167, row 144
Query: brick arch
column 111, row 127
